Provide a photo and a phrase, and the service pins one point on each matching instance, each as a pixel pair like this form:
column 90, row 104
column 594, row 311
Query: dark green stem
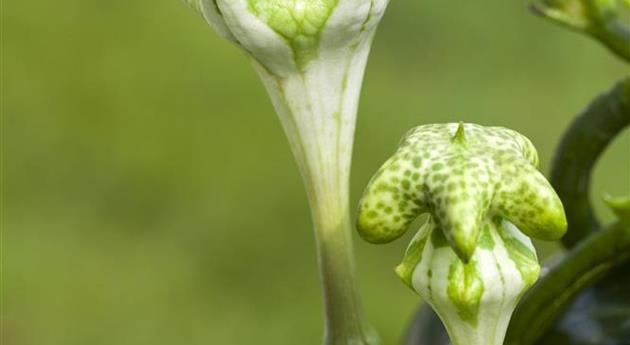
column 593, row 252
column 585, row 264
column 579, row 151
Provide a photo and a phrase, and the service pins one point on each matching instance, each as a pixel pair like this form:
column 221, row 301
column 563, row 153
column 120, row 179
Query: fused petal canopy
column 463, row 175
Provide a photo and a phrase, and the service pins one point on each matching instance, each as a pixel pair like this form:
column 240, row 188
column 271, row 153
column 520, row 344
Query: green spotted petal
column 463, row 175
column 526, row 198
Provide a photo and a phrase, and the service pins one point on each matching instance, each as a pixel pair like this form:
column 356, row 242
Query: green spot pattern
column 299, row 22
column 463, row 175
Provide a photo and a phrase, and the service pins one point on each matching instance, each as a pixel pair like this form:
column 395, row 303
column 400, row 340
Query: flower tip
column 405, row 274
column 556, row 224
column 464, row 246
column 461, row 222
column 372, row 230
column 460, row 136
column 553, row 225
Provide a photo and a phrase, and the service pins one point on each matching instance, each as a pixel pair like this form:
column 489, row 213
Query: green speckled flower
column 472, row 259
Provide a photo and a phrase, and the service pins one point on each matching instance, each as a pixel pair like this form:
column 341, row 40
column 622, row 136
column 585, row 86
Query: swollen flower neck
column 474, row 300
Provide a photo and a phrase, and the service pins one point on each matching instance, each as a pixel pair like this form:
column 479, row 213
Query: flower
column 471, row 260
column 311, row 56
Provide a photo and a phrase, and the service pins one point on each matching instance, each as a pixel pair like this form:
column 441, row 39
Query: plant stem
column 345, row 320
column 578, row 152
column 594, row 252
column 584, row 265
column 317, row 107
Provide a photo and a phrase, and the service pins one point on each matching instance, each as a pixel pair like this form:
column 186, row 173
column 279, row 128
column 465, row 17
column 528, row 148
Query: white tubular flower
column 473, row 259
column 311, row 56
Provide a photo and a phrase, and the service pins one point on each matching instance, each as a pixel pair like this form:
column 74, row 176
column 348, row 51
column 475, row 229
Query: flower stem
column 345, row 318
column 578, row 152
column 317, row 107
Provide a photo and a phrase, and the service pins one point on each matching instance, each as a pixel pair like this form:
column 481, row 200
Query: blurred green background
column 150, row 197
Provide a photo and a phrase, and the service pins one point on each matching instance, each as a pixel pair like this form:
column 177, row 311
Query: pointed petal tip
column 405, row 274
column 374, row 231
column 462, row 228
column 552, row 226
column 463, row 242
column 554, row 220
column 465, row 250
column 460, row 135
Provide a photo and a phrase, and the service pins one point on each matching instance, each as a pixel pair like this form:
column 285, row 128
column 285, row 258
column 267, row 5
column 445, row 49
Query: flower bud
column 472, row 259
column 284, row 36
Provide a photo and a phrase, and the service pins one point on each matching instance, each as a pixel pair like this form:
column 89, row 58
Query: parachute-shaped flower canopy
column 472, row 259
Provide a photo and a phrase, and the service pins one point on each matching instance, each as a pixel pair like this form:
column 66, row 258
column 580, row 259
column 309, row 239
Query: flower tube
column 311, row 57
